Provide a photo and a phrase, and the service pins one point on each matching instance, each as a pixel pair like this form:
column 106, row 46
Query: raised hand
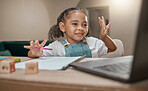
column 104, row 28
column 35, row 52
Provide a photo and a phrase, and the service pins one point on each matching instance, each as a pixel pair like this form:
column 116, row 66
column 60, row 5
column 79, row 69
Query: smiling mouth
column 79, row 34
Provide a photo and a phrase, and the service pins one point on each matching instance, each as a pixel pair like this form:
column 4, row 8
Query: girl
column 73, row 22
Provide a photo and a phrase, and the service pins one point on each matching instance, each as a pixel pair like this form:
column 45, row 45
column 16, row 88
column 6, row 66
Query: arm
column 104, row 35
column 33, row 53
column 109, row 43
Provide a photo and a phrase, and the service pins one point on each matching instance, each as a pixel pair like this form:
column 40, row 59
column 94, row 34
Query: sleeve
column 97, row 47
column 57, row 49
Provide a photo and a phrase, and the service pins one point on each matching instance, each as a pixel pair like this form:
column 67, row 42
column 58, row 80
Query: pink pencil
column 43, row 48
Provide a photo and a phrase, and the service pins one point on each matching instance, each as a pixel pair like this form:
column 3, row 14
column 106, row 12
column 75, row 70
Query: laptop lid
column 139, row 65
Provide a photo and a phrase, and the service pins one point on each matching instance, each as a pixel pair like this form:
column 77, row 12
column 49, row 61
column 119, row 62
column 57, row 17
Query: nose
column 80, row 28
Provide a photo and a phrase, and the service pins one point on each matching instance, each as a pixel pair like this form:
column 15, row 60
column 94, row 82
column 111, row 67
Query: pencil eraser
column 7, row 66
column 31, row 68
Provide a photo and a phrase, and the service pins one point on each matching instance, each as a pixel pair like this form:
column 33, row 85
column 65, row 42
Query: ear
column 61, row 26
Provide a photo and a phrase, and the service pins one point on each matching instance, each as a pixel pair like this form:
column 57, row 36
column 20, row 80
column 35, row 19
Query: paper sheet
column 50, row 63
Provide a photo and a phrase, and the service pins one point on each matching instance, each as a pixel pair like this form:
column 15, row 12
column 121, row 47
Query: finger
column 27, row 47
column 102, row 30
column 36, row 43
column 101, row 24
column 109, row 24
column 43, row 43
column 31, row 43
column 103, row 21
column 107, row 27
column 99, row 21
column 106, row 30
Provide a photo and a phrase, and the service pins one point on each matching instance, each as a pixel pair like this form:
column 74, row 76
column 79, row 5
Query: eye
column 75, row 24
column 85, row 25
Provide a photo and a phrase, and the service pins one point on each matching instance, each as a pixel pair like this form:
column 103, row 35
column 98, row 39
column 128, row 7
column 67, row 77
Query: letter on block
column 31, row 68
column 7, row 66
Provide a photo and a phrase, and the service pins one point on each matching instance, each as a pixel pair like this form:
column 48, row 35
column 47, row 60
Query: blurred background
column 32, row 19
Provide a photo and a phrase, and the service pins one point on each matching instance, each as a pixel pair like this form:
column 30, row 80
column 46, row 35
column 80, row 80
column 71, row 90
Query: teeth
column 77, row 32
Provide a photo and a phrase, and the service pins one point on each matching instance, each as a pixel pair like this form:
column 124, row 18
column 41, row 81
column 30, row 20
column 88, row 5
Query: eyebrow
column 74, row 21
column 77, row 21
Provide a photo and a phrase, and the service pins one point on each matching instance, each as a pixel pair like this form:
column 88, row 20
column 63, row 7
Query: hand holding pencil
column 36, row 49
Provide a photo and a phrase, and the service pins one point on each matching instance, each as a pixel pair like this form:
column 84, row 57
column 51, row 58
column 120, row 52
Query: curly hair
column 55, row 31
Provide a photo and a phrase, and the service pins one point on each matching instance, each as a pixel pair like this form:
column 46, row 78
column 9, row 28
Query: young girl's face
column 75, row 26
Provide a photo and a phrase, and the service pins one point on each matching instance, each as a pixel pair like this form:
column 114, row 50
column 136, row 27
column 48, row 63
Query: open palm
column 36, row 52
column 104, row 28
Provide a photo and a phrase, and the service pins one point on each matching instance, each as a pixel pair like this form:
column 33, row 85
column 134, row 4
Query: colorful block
column 7, row 66
column 31, row 68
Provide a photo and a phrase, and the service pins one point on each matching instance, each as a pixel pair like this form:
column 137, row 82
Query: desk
column 64, row 80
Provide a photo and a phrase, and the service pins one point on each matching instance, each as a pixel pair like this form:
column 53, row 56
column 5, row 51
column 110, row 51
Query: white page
column 50, row 63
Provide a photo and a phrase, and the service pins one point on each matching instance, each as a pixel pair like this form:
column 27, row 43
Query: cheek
column 70, row 31
column 69, row 27
column 86, row 30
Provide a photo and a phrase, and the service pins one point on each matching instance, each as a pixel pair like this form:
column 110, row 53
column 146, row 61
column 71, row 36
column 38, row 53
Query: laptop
column 126, row 68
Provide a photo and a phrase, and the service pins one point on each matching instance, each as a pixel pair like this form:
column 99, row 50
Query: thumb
column 27, row 47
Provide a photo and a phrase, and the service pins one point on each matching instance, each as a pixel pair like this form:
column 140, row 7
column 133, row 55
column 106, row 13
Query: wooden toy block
column 31, row 68
column 7, row 66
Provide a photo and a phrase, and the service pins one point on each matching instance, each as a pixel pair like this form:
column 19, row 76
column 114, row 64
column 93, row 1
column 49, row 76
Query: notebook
column 50, row 63
column 126, row 68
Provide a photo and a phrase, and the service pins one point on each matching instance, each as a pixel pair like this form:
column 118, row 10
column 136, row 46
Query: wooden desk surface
column 64, row 80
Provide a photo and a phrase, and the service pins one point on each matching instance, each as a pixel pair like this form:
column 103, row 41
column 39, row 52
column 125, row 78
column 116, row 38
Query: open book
column 51, row 63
